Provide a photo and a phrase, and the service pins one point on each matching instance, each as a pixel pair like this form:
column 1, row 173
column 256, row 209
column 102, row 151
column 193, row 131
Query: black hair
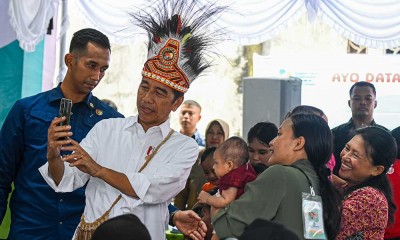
column 81, row 38
column 259, row 167
column 110, row 103
column 318, row 146
column 207, row 152
column 305, row 109
column 265, row 229
column 363, row 84
column 177, row 94
column 234, row 149
column 263, row 131
column 122, row 227
column 382, row 148
column 396, row 135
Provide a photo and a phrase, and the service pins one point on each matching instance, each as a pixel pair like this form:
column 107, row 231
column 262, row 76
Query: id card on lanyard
column 312, row 212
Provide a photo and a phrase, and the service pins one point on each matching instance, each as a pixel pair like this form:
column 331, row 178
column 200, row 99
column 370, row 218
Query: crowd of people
column 104, row 176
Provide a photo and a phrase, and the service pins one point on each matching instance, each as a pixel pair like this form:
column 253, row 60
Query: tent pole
column 63, row 39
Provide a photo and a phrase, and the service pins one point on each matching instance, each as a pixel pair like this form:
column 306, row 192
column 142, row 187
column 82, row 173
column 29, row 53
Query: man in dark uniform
column 362, row 103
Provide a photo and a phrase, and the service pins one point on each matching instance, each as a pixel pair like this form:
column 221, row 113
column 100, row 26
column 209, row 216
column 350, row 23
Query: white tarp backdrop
column 30, row 20
column 372, row 23
column 369, row 23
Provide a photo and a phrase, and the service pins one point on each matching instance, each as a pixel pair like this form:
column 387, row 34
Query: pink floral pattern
column 364, row 210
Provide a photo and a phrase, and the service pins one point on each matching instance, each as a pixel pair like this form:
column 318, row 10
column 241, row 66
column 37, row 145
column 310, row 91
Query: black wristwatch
column 171, row 218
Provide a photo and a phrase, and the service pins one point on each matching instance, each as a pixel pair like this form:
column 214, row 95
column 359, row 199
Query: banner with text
column 326, row 81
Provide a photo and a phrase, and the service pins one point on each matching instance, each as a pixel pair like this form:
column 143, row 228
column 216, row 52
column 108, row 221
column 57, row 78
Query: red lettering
column 396, row 77
column 388, row 77
column 336, row 77
column 369, row 77
column 379, row 78
column 344, row 76
column 354, row 77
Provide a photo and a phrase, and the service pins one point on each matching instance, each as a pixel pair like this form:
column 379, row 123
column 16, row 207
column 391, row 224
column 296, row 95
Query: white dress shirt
column 122, row 145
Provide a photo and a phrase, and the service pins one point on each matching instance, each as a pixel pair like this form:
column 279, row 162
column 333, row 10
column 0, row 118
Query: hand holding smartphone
column 65, row 111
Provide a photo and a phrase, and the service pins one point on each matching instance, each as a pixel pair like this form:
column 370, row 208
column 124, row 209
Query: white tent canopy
column 370, row 23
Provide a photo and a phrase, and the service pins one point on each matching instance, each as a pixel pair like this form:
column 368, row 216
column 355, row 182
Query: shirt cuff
column 140, row 185
column 67, row 181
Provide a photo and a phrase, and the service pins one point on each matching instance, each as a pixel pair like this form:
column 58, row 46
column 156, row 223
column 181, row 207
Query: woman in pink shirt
column 367, row 206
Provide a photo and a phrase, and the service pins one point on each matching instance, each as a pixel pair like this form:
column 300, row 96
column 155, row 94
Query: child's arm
column 226, row 197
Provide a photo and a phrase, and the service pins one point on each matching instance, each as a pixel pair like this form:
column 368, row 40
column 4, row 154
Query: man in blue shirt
column 189, row 116
column 37, row 211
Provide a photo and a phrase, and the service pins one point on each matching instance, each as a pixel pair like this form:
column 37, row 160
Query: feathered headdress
column 178, row 40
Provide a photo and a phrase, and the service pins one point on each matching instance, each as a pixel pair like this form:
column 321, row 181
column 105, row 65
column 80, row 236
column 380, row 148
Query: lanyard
column 308, row 179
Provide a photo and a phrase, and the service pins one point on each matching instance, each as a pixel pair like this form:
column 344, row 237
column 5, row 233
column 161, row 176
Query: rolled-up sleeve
column 72, row 178
column 113, row 145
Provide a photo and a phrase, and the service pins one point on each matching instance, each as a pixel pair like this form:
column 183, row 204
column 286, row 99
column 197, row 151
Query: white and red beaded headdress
column 178, row 39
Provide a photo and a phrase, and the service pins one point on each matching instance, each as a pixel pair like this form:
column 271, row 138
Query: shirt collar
column 57, row 94
column 164, row 127
column 351, row 123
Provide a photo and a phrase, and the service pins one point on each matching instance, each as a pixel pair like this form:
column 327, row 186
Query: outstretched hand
column 190, row 224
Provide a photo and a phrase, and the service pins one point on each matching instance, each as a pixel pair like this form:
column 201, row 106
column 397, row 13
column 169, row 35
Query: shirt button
column 61, row 200
column 60, row 223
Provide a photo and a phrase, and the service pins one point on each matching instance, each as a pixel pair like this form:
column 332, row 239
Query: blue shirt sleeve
column 171, row 208
column 11, row 145
column 23, row 148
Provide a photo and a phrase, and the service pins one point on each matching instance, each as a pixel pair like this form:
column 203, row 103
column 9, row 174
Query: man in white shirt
column 137, row 164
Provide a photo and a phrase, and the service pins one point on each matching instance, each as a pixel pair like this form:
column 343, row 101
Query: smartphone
column 65, row 111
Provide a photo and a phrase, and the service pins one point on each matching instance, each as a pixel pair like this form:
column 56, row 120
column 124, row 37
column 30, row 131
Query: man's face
column 362, row 102
column 155, row 101
column 189, row 116
column 87, row 70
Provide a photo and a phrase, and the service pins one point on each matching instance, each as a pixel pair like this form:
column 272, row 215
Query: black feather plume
column 187, row 21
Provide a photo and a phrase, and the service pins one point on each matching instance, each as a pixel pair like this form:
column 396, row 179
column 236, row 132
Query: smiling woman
column 367, row 206
column 299, row 154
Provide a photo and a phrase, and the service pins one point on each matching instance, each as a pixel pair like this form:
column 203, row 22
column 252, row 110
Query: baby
column 207, row 162
column 232, row 168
